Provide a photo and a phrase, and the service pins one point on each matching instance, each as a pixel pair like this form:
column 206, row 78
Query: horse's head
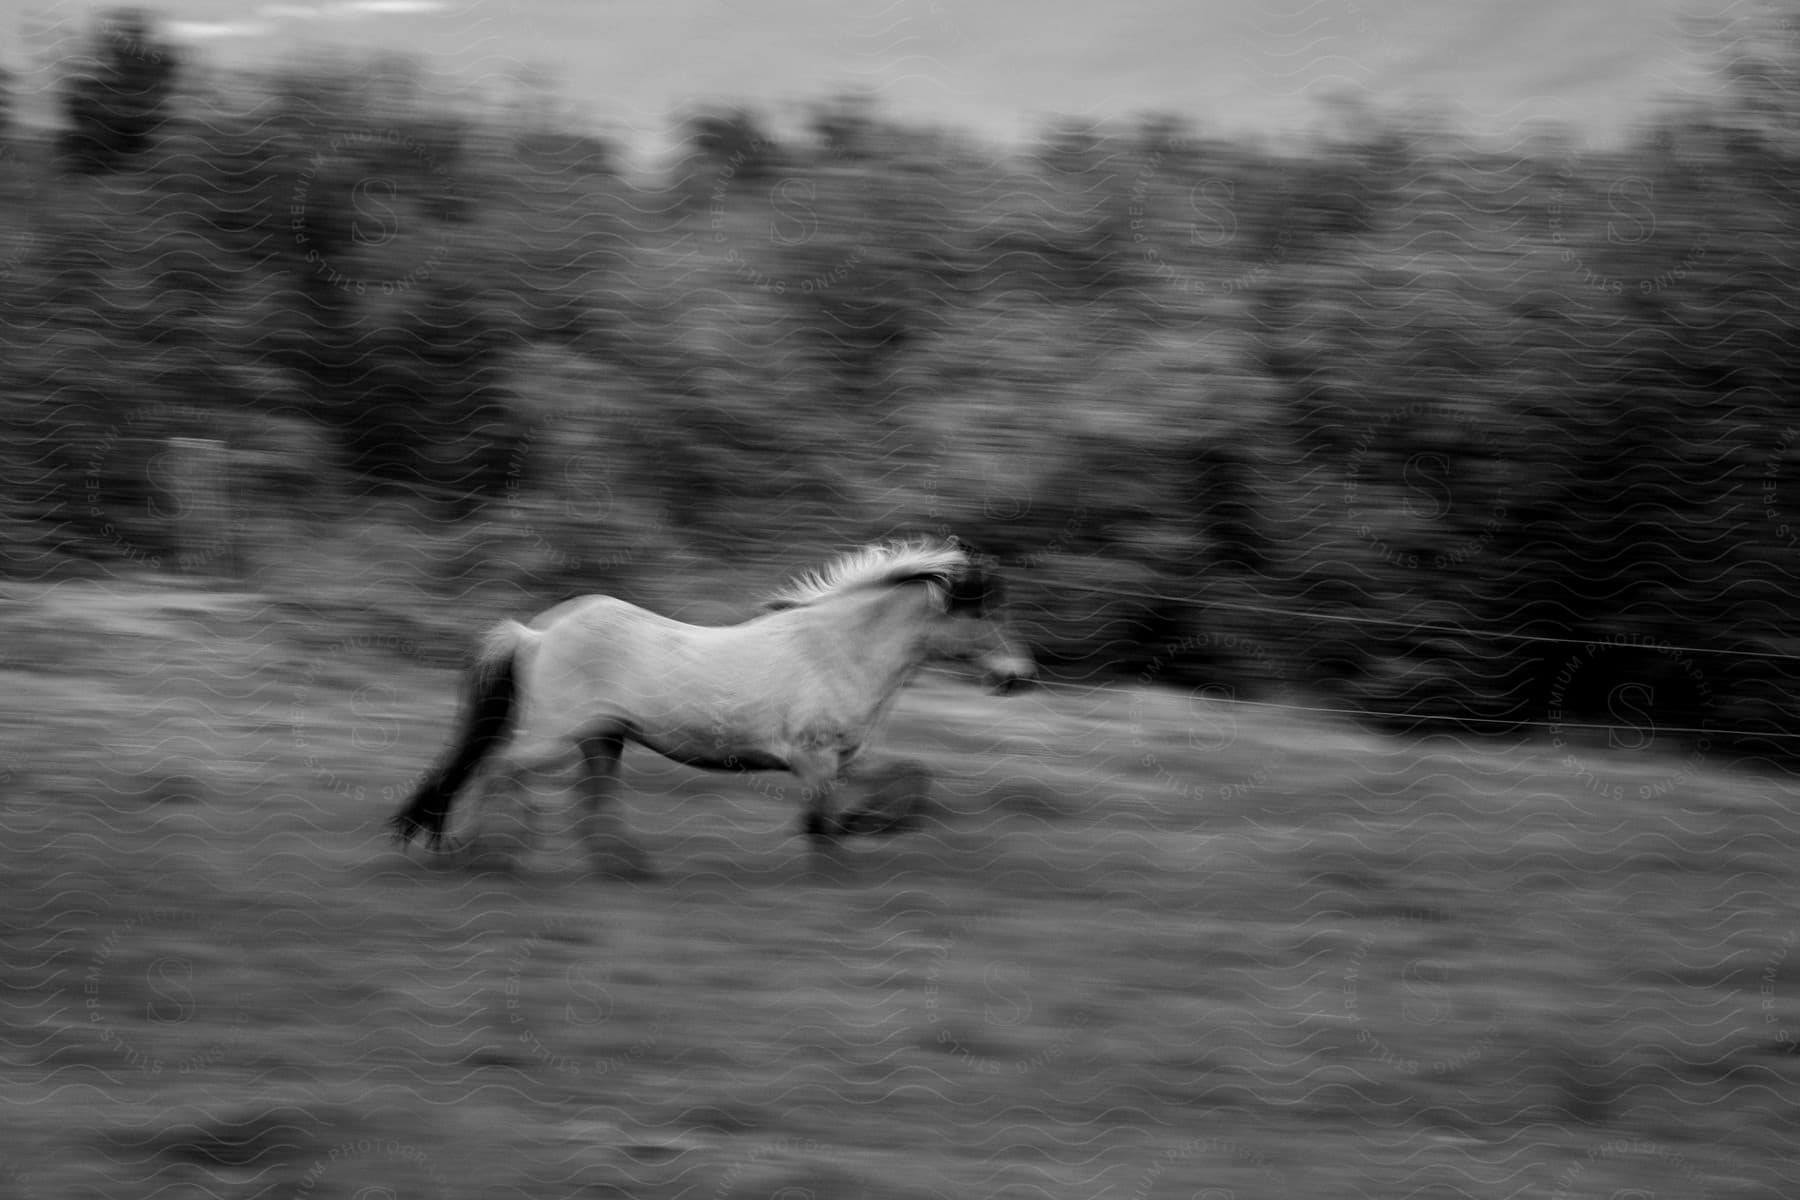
column 974, row 628
column 953, row 609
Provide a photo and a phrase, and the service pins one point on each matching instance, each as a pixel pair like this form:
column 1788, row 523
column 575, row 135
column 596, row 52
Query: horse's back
column 643, row 655
column 595, row 605
column 601, row 629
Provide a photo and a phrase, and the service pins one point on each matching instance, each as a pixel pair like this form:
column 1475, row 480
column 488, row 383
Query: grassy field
column 1152, row 945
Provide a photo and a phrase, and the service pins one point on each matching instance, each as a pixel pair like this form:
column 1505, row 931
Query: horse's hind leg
column 506, row 819
column 602, row 829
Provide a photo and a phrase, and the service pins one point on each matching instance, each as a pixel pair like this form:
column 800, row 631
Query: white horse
column 798, row 688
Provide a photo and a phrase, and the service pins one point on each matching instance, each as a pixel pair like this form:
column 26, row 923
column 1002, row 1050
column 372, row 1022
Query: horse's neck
column 883, row 637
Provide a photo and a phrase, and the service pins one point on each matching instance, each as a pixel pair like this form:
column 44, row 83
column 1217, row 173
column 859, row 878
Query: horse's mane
column 879, row 565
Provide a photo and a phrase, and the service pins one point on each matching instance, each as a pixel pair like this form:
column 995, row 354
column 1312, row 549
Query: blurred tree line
column 1440, row 430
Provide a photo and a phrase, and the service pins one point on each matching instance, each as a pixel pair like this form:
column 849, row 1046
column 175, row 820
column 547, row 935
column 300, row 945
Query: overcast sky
column 994, row 66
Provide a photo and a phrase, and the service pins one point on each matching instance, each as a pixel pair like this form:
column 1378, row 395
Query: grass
column 1281, row 957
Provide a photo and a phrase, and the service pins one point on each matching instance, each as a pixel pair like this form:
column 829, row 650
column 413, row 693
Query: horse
column 798, row 687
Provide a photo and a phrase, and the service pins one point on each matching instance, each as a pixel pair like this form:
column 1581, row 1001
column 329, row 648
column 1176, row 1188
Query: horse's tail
column 488, row 704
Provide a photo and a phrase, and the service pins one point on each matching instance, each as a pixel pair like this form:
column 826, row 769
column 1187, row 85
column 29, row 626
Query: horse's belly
column 712, row 754
column 705, row 697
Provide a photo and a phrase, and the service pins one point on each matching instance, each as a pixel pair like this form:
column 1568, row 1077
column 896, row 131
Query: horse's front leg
column 818, row 773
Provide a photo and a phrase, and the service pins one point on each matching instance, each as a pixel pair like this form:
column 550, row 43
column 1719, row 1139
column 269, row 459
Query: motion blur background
column 1384, row 418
